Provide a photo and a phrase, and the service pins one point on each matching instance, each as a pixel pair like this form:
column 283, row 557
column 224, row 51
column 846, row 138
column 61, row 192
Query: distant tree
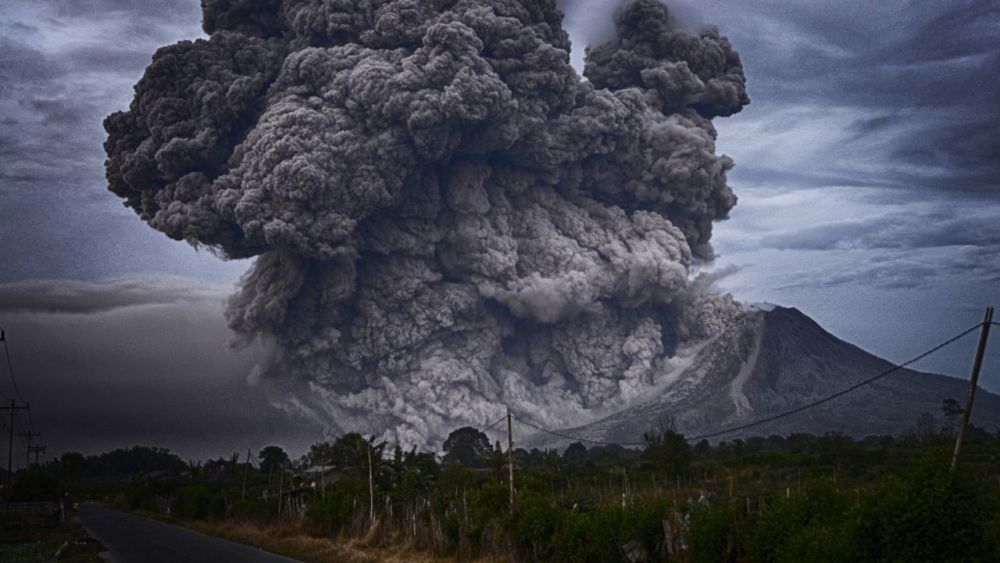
column 575, row 454
column 668, row 450
column 926, row 427
column 351, row 451
column 469, row 447
column 272, row 458
column 952, row 412
column 321, row 453
column 132, row 461
column 34, row 485
column 702, row 447
column 551, row 461
column 73, row 464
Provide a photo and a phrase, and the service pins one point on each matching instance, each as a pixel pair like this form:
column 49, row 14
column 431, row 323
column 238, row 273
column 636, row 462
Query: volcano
column 775, row 359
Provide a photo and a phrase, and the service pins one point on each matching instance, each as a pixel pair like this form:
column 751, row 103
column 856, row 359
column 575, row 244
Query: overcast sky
column 867, row 167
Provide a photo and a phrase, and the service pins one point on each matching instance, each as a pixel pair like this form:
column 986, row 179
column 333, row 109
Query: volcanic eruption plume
column 446, row 217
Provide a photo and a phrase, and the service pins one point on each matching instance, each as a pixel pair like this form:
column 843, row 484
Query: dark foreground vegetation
column 795, row 498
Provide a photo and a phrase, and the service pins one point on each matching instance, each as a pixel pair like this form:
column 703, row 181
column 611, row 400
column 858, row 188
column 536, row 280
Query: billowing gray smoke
column 447, row 219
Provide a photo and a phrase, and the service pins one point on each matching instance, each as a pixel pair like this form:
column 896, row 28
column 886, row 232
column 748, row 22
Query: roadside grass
column 19, row 544
column 291, row 541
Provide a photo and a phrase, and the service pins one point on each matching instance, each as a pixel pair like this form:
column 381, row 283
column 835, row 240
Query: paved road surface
column 132, row 539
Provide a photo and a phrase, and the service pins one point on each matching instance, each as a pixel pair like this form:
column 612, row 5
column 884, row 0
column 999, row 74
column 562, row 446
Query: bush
column 820, row 543
column 811, row 513
column 715, row 534
column 198, row 502
column 35, row 485
column 930, row 516
column 333, row 514
column 255, row 510
column 535, row 525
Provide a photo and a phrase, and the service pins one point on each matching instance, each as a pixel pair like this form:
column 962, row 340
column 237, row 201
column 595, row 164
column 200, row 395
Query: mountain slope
column 776, row 360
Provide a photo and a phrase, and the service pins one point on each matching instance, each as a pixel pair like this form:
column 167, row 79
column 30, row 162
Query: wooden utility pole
column 27, row 451
column 281, row 484
column 246, row 470
column 371, row 489
column 13, row 408
column 977, row 364
column 36, row 450
column 510, row 458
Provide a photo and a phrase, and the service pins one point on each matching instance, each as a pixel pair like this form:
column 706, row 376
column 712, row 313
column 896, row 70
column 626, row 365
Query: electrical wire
column 13, row 380
column 576, row 438
column 10, row 369
column 498, row 421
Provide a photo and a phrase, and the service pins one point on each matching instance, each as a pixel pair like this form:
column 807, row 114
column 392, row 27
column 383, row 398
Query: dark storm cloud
column 924, row 72
column 63, row 67
column 138, row 361
column 81, row 297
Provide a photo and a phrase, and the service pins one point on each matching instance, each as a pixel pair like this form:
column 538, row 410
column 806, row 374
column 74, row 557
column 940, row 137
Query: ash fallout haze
column 434, row 210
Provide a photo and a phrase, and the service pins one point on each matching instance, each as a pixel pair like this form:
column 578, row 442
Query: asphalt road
column 132, row 539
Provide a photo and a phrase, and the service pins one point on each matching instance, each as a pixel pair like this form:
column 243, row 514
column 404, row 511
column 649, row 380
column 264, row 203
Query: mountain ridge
column 772, row 361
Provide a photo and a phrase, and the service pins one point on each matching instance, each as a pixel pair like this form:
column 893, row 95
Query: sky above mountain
column 866, row 169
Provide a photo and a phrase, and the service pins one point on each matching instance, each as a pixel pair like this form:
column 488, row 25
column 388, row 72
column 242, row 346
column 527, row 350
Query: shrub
column 332, row 514
column 199, row 502
column 818, row 507
column 929, row 516
column 715, row 534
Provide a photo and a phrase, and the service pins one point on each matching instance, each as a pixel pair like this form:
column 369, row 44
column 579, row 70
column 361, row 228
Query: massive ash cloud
column 447, row 219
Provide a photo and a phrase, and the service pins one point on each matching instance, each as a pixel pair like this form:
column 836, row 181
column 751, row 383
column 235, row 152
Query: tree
column 952, row 408
column 667, row 450
column 73, row 464
column 351, row 451
column 575, row 454
column 952, row 411
column 467, row 446
column 272, row 458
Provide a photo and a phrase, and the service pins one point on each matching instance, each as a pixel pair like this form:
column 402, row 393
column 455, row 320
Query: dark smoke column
column 446, row 217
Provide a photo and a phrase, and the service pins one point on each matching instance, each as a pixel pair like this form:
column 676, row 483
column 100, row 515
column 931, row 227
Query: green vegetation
column 774, row 499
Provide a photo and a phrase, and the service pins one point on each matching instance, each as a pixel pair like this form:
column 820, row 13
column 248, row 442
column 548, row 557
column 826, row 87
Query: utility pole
column 36, row 450
column 371, row 489
column 27, row 452
column 281, row 484
column 322, row 478
column 977, row 364
column 246, row 470
column 13, row 408
column 510, row 458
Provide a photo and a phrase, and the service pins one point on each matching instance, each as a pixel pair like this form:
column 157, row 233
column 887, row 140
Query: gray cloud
column 922, row 73
column 63, row 67
column 894, row 231
column 82, row 297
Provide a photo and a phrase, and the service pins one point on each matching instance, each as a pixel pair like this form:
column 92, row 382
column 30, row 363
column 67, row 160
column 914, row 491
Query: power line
column 498, row 421
column 13, row 380
column 576, row 438
column 10, row 368
column 839, row 393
